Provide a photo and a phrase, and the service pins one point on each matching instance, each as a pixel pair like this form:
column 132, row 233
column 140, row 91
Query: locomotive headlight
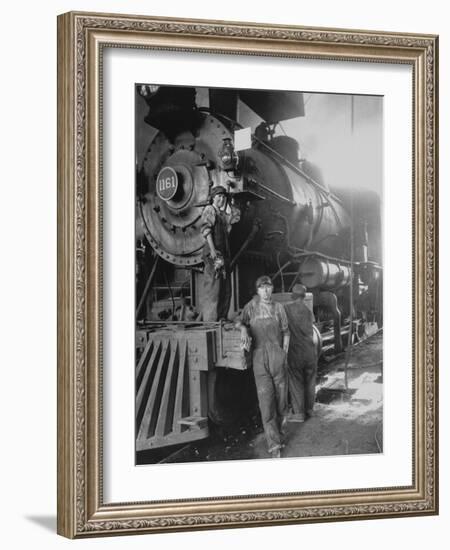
column 228, row 156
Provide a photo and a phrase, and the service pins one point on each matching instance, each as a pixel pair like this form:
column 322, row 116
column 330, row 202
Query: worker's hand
column 246, row 341
column 218, row 262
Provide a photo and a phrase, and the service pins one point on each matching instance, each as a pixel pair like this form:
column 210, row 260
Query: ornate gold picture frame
column 83, row 39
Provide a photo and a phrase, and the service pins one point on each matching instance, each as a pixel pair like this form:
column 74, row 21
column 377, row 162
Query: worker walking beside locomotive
column 302, row 356
column 264, row 328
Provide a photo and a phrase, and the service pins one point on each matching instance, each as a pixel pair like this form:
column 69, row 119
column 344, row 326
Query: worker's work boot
column 296, row 417
column 275, row 452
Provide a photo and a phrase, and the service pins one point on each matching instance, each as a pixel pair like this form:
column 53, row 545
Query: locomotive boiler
column 291, row 226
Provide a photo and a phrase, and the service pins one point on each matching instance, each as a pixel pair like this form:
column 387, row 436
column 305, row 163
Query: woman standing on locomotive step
column 263, row 323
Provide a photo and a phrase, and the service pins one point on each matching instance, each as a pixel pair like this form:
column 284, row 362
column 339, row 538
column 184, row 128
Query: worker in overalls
column 264, row 328
column 302, row 356
column 215, row 283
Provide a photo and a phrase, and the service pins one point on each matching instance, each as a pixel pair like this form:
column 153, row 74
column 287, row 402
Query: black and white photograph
column 259, row 274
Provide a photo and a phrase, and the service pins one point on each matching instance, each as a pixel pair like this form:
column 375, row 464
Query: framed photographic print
column 247, row 288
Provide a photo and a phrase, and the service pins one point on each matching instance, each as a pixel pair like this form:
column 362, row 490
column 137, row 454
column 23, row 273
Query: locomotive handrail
column 308, row 178
column 275, row 194
column 302, row 253
column 332, row 258
column 299, row 171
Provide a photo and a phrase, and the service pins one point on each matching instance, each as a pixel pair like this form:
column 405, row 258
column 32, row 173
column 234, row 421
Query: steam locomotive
column 292, row 226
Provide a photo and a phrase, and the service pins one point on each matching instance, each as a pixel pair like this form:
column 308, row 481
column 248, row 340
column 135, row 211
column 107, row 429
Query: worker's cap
column 298, row 290
column 264, row 280
column 218, row 190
